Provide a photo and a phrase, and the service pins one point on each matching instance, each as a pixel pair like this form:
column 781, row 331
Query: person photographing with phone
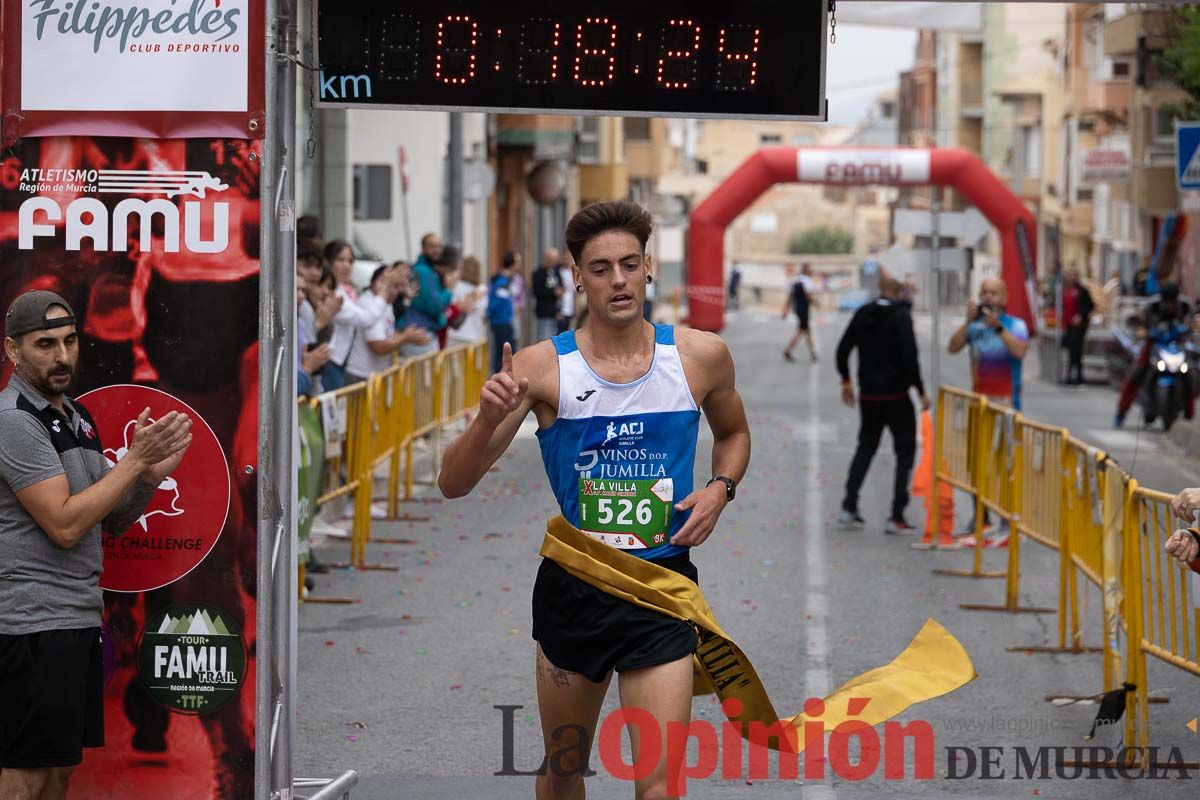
column 998, row 343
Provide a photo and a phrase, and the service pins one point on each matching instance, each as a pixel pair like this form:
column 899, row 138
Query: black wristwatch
column 730, row 487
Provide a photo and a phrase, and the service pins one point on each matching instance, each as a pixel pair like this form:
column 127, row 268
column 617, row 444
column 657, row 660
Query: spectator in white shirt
column 371, row 350
column 566, row 306
column 470, row 297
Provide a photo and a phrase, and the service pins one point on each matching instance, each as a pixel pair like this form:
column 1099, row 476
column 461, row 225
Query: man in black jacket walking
column 547, row 294
column 882, row 331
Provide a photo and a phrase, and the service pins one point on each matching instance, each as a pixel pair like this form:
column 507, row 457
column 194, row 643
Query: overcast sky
column 865, row 62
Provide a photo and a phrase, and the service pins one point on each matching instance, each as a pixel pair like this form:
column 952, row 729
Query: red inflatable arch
column 856, row 166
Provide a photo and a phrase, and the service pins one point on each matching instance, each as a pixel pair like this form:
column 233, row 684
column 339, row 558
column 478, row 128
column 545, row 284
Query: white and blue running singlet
column 620, row 455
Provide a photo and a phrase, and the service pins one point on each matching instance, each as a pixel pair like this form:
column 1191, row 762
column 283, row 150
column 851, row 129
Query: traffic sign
column 755, row 59
column 967, row 226
column 1187, row 155
column 900, row 260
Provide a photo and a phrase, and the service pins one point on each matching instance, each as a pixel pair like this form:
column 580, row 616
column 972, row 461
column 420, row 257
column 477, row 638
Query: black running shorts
column 582, row 629
column 802, row 317
column 51, row 698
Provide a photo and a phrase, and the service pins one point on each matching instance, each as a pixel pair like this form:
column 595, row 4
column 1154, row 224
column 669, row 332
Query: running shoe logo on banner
column 170, row 183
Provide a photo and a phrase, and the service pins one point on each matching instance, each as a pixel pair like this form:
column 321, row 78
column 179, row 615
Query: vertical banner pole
column 277, row 408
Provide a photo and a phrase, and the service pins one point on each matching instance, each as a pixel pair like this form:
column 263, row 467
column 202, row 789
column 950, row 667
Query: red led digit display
column 677, row 66
column 458, row 46
column 539, row 56
column 750, row 59
column 595, row 52
column 737, row 66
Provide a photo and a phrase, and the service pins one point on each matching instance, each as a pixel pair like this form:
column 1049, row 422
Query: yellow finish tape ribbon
column 932, row 665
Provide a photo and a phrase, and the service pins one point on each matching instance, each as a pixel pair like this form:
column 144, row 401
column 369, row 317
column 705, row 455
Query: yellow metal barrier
column 384, row 416
column 1084, row 476
column 345, row 472
column 1067, row 496
column 959, row 447
column 1014, row 481
column 1165, row 623
column 957, row 416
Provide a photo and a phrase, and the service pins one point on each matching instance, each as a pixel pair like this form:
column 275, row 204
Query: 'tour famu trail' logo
column 192, row 659
column 125, row 24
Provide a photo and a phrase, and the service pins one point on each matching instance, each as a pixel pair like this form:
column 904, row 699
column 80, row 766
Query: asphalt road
column 403, row 686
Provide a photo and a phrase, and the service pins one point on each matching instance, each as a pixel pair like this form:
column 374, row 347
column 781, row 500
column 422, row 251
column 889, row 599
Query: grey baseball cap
column 28, row 313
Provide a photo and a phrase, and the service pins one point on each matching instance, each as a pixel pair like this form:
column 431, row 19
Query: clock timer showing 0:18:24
column 621, row 56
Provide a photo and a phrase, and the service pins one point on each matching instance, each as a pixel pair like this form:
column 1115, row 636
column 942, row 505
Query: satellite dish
column 547, row 183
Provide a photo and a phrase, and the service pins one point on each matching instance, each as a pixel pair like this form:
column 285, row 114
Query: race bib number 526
column 628, row 514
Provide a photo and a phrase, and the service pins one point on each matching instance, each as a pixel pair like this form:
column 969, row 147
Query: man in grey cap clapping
column 56, row 493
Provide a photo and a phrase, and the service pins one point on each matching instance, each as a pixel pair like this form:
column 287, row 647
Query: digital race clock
column 736, row 58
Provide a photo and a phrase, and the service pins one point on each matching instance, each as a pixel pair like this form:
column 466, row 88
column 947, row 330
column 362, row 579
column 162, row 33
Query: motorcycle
column 1165, row 391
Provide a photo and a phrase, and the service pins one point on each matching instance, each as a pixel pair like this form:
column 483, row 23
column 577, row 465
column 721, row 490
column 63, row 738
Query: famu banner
column 155, row 244
column 132, row 67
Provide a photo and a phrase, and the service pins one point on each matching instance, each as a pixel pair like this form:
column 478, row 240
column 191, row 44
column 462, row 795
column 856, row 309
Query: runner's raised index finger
column 507, row 368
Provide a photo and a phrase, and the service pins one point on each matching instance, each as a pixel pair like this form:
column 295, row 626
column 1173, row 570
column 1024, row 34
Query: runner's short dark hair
column 619, row 215
column 509, row 260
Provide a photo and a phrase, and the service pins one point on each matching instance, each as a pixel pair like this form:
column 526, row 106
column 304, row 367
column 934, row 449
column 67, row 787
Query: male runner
column 618, row 407
column 799, row 300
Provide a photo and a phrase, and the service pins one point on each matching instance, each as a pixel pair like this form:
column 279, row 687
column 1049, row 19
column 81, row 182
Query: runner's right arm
column 504, row 403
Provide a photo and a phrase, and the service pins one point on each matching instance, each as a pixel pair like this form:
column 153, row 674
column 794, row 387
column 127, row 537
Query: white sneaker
column 322, row 528
column 850, row 520
column 898, row 525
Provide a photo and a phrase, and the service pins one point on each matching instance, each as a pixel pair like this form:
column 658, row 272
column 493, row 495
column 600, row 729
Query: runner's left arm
column 731, row 440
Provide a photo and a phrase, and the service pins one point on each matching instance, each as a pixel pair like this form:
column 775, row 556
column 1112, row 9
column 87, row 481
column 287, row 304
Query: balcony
column 551, row 137
column 1077, row 219
column 1027, row 187
column 600, row 182
column 1154, row 189
column 1108, row 97
column 1121, row 34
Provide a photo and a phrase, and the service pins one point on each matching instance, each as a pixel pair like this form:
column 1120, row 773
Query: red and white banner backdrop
column 185, row 68
column 154, row 242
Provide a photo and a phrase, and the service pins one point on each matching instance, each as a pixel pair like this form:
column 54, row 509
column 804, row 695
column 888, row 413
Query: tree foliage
column 1181, row 60
column 821, row 240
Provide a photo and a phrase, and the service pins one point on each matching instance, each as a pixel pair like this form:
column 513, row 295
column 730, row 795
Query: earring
column 649, row 279
column 579, row 288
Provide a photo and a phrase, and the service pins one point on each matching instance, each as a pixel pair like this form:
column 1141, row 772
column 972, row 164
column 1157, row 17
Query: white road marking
column 817, row 679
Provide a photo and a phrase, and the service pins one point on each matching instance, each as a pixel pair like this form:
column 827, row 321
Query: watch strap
column 730, row 486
